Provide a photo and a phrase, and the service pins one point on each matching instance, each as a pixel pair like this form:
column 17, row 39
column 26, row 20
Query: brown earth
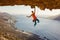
column 42, row 4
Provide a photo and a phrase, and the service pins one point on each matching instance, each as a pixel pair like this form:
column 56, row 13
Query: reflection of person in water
column 34, row 17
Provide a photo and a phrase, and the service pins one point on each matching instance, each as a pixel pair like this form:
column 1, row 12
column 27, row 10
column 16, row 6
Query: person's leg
column 35, row 23
column 37, row 20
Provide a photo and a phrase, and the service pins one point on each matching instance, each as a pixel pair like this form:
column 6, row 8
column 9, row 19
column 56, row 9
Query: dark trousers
column 35, row 21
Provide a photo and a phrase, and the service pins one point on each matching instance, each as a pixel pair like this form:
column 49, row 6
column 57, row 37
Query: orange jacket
column 34, row 16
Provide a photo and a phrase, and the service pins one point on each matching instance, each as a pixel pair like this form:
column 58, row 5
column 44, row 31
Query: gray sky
column 26, row 10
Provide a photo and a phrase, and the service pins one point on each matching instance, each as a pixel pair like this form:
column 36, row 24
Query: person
column 34, row 18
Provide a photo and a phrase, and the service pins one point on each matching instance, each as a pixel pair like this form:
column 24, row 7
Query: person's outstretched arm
column 29, row 16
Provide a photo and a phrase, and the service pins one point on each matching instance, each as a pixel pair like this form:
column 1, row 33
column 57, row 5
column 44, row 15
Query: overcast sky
column 26, row 10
